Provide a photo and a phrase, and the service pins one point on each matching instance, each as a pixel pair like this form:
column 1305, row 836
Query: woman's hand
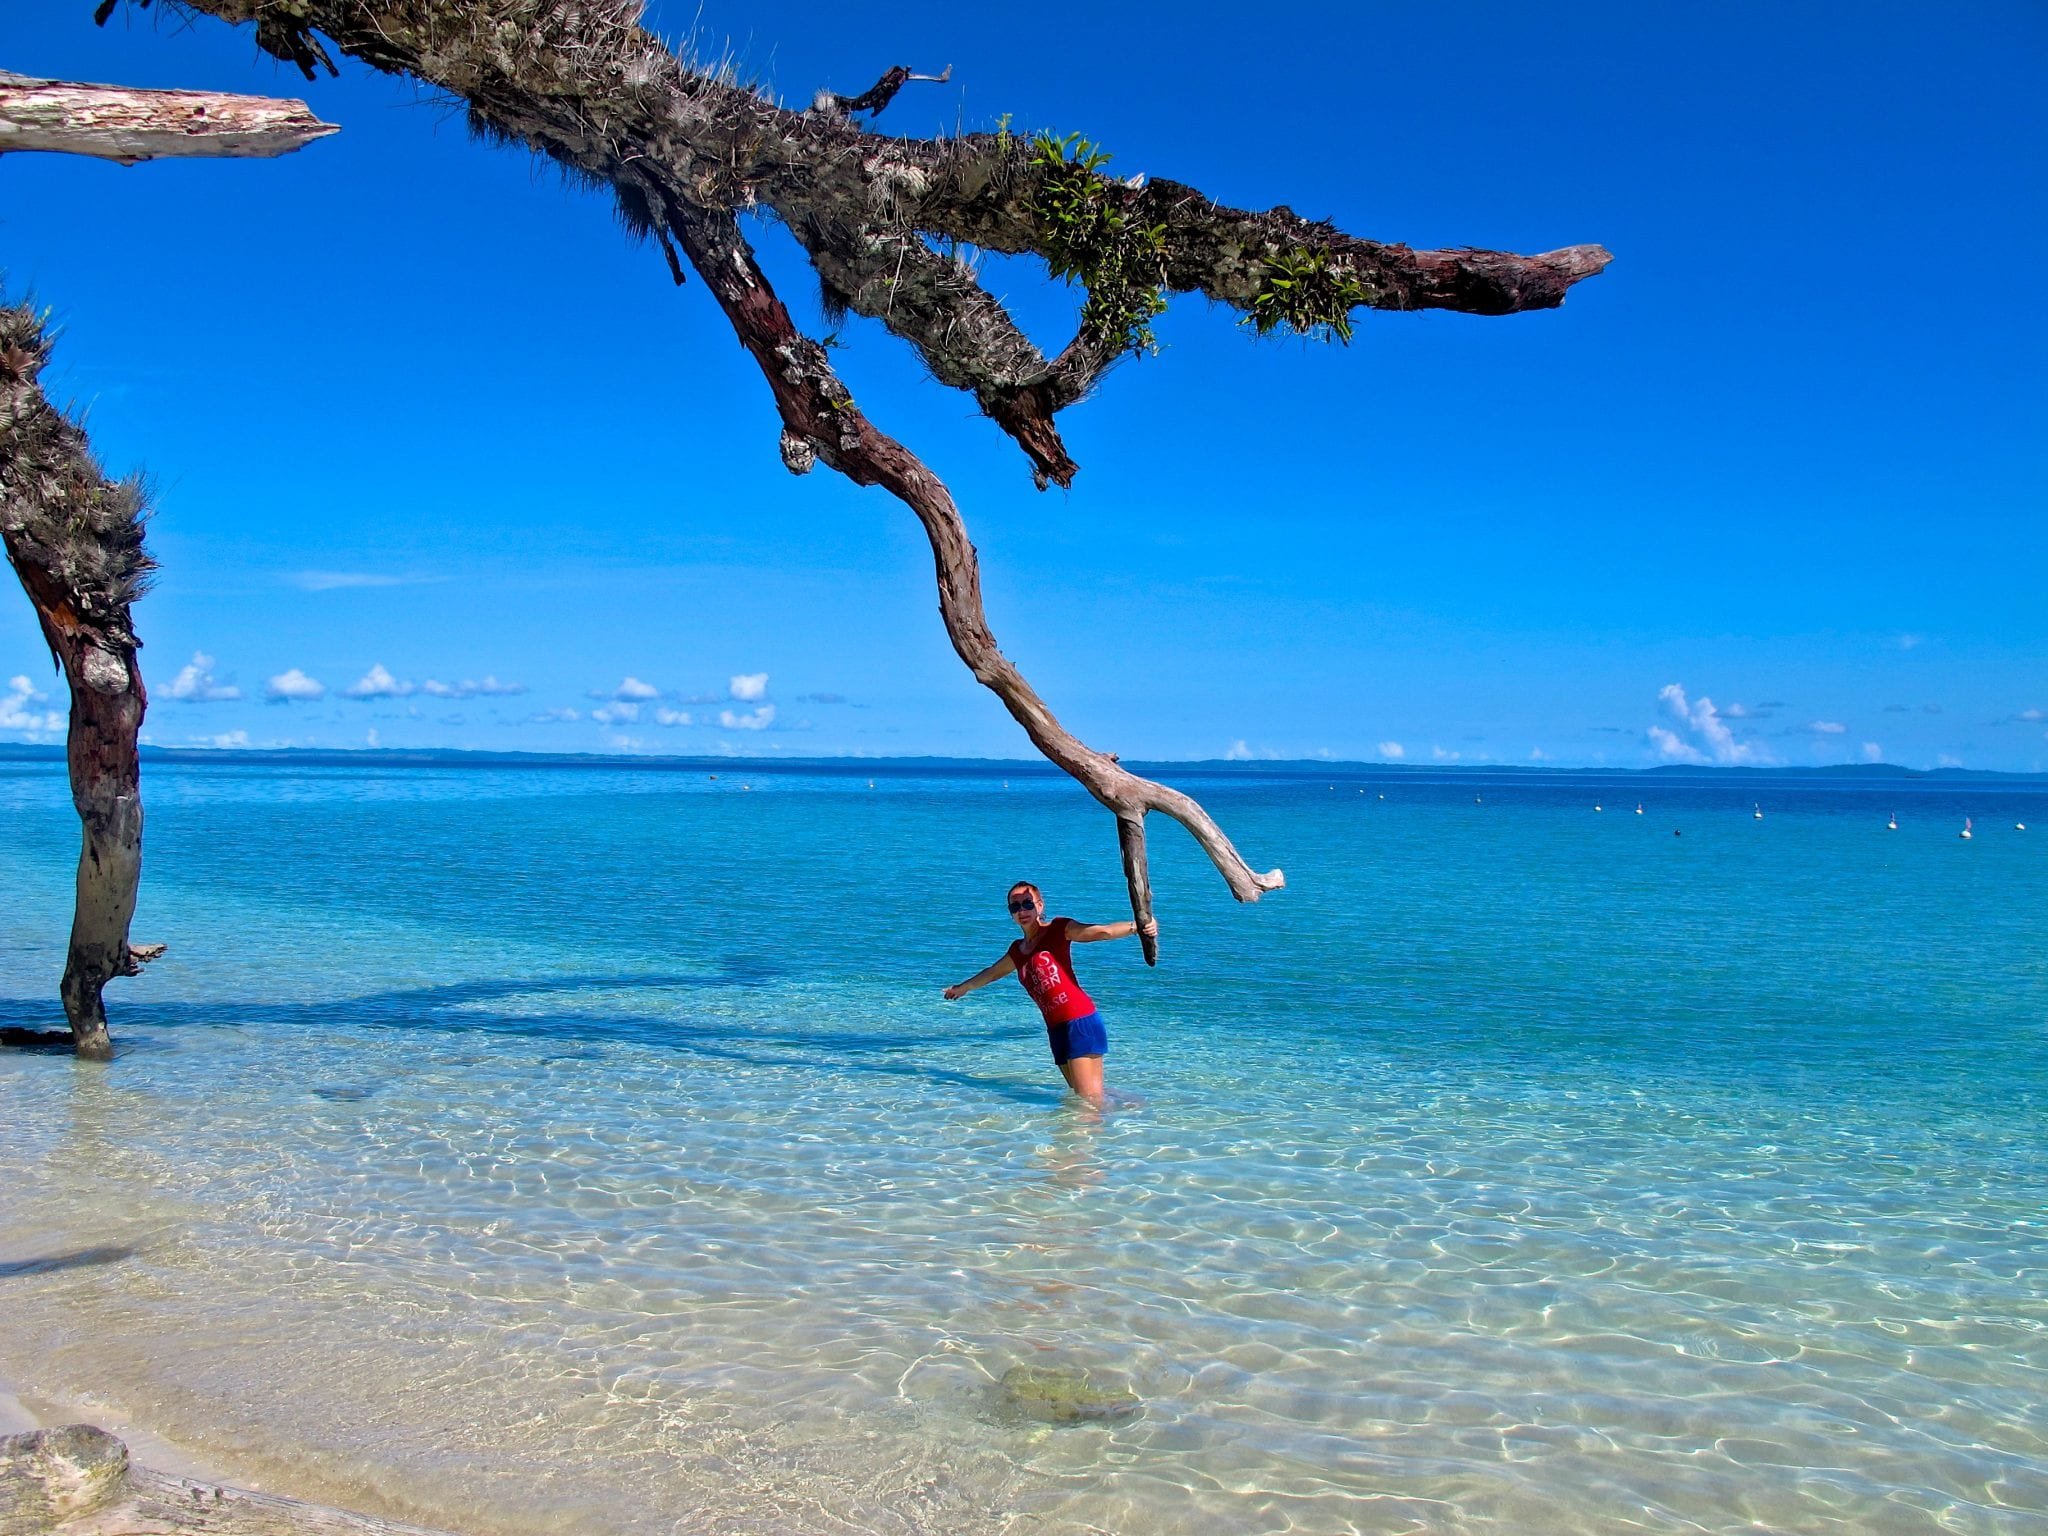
column 954, row 994
column 1149, row 928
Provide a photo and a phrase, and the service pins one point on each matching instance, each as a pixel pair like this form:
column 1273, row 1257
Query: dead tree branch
column 876, row 96
column 116, row 123
column 686, row 151
column 817, row 409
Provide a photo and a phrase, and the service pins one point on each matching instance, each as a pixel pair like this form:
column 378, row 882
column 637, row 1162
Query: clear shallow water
column 549, row 1150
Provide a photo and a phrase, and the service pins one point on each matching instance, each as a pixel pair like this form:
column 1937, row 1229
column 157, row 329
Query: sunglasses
column 1023, row 906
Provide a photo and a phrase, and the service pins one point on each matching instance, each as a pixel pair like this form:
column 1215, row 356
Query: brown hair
column 1025, row 885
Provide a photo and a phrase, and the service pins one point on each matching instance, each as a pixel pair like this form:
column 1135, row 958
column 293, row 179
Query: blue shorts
column 1084, row 1036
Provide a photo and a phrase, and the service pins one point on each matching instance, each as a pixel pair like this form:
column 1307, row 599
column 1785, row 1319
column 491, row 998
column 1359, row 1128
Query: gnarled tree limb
column 686, row 151
column 817, row 409
column 119, row 123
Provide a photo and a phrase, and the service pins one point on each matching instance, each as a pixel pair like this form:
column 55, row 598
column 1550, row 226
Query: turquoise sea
column 571, row 1149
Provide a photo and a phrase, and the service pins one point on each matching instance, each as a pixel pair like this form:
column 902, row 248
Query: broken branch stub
column 112, row 122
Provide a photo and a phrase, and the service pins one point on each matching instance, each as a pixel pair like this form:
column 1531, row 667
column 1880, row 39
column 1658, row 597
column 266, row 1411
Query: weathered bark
column 117, row 123
column 78, row 1481
column 75, row 540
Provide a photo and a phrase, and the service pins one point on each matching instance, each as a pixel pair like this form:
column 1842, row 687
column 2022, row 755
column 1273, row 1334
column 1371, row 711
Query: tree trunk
column 107, row 704
column 75, row 540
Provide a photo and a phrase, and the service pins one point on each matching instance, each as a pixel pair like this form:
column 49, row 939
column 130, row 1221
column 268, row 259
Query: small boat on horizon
column 1757, row 813
column 1893, row 824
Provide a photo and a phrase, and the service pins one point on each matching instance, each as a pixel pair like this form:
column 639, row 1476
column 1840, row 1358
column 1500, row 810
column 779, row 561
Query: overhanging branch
column 587, row 85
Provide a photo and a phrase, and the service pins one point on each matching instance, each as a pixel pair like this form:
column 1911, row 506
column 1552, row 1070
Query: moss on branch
column 1091, row 238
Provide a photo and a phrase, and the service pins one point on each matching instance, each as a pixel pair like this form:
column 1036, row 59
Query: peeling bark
column 129, row 126
column 75, row 540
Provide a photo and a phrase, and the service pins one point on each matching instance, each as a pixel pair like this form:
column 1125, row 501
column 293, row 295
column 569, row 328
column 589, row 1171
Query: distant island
column 999, row 767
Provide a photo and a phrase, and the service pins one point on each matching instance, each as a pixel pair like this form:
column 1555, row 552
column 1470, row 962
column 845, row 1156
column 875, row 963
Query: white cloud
column 1392, row 749
column 230, row 742
column 612, row 714
column 552, row 717
column 1829, row 727
column 333, row 581
column 1872, row 752
column 673, row 717
column 377, row 683
column 1945, row 761
column 1907, row 642
column 2031, row 715
column 624, row 743
column 1443, row 756
column 1670, row 748
column 1238, row 753
column 632, row 690
column 370, row 738
column 287, row 686
column 1737, row 711
column 748, row 686
column 195, row 685
column 470, row 688
column 753, row 720
column 1710, row 738
column 1538, row 755
column 17, row 712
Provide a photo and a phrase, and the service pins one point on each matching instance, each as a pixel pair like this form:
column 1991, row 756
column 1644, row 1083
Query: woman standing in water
column 1044, row 962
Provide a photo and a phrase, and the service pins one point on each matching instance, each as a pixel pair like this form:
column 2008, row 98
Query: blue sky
column 1769, row 490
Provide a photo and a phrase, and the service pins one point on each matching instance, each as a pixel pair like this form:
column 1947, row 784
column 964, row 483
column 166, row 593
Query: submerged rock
column 1066, row 1394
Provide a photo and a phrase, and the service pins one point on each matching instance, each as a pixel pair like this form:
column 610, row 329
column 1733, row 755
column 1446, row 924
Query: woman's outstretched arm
column 1089, row 933
column 996, row 972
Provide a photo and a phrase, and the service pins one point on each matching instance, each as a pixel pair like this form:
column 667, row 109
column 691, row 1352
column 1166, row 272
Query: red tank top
column 1048, row 974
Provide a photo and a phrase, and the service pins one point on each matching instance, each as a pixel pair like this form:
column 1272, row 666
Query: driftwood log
column 78, row 1481
column 885, row 222
column 75, row 538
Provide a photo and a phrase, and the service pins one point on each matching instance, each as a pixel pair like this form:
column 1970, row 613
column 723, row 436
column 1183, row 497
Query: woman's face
column 1025, row 909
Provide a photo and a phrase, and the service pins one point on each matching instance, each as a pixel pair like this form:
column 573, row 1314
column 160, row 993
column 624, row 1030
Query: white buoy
column 1599, row 807
column 1965, row 833
column 1758, row 813
column 1893, row 824
column 2019, row 826
column 1639, row 809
